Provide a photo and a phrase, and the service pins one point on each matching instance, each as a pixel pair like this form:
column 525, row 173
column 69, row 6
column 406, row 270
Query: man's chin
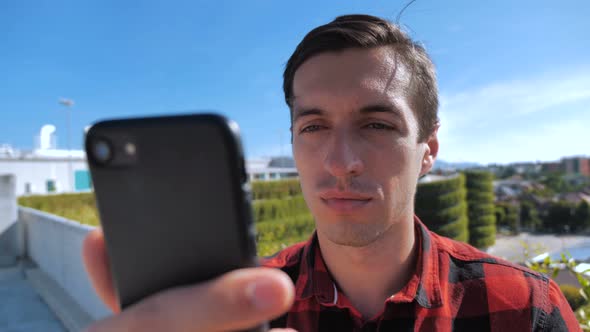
column 353, row 235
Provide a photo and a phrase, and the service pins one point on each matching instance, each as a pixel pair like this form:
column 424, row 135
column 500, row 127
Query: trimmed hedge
column 434, row 189
column 273, row 209
column 446, row 215
column 441, row 205
column 481, row 208
column 275, row 235
column 80, row 207
column 275, row 189
column 456, row 230
column 281, row 221
column 292, row 227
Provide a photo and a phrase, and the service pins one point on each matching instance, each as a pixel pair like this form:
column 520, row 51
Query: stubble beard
column 354, row 234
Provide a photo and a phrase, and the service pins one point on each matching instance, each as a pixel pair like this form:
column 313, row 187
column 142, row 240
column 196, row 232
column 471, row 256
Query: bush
column 275, row 189
column 273, row 209
column 275, row 235
column 560, row 217
column 281, row 221
column 78, row 207
column 441, row 205
column 582, row 311
column 509, row 216
column 572, row 295
column 481, row 209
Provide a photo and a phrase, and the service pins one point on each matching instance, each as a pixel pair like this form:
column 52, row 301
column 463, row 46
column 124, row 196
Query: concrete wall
column 37, row 172
column 11, row 236
column 55, row 245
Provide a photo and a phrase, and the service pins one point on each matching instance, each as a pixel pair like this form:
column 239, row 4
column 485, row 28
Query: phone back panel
column 175, row 212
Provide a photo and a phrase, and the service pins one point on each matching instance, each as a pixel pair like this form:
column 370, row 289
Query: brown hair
column 365, row 31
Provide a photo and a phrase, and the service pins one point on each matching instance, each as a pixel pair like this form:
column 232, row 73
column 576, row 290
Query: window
column 51, row 188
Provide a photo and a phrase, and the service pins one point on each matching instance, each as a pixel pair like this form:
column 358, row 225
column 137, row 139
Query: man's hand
column 236, row 300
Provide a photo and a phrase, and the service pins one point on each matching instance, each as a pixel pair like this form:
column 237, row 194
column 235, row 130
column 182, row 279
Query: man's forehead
column 375, row 71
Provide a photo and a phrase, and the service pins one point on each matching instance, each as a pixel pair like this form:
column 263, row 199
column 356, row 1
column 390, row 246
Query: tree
column 442, row 206
column 529, row 216
column 480, row 202
column 508, row 216
column 556, row 183
column 582, row 216
column 559, row 217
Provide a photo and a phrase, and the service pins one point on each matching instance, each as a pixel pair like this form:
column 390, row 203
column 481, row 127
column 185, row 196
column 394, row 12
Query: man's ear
column 430, row 152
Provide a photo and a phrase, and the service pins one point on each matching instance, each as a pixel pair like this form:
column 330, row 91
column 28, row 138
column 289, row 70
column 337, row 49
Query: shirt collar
column 423, row 287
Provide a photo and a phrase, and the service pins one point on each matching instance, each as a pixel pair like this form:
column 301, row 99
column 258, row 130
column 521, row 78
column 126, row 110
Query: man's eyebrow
column 302, row 112
column 381, row 109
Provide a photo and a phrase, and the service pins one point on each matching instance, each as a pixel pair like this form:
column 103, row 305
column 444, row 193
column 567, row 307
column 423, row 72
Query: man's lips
column 344, row 201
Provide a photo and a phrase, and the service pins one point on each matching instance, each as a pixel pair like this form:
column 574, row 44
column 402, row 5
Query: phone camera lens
column 102, row 151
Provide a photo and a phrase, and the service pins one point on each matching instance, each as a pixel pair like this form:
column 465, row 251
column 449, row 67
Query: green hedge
column 437, row 202
column 481, row 236
column 480, row 196
column 482, row 213
column 481, row 208
column 275, row 189
column 273, row 209
column 275, row 235
column 443, row 216
column 79, row 207
column 457, row 229
column 282, row 215
column 436, row 188
column 441, row 205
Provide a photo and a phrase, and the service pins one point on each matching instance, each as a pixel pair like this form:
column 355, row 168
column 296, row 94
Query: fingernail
column 262, row 294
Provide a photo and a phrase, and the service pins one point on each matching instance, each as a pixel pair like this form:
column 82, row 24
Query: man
column 363, row 101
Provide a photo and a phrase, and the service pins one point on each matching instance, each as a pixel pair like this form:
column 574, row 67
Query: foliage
column 555, row 182
column 507, row 216
column 554, row 267
column 480, row 201
column 78, row 207
column 505, row 172
column 275, row 235
column 275, row 189
column 280, row 221
column 573, row 296
column 273, row 209
column 560, row 217
column 529, row 215
column 442, row 206
column 582, row 215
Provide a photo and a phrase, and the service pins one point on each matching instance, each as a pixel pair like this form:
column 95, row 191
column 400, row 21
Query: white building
column 49, row 170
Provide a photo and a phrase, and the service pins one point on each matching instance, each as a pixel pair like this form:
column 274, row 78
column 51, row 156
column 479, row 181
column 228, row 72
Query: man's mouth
column 345, row 201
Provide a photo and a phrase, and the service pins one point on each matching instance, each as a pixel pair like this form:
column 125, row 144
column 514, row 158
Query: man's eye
column 379, row 126
column 310, row 128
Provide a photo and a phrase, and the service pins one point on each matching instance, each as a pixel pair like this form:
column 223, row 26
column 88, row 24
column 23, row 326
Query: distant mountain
column 444, row 165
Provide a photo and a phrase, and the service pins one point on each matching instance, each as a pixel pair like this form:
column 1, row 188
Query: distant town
column 538, row 196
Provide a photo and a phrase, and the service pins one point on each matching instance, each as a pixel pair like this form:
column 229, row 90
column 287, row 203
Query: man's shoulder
column 506, row 290
column 507, row 285
column 463, row 255
column 288, row 259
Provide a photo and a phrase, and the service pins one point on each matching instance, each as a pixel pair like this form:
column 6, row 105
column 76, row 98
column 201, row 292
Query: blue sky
column 514, row 76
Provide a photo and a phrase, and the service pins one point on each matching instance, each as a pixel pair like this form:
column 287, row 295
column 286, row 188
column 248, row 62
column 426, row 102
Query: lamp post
column 68, row 103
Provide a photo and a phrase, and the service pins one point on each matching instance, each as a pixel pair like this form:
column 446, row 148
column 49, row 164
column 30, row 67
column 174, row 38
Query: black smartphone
column 173, row 198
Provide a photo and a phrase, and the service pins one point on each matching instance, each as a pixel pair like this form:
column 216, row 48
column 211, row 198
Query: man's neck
column 369, row 275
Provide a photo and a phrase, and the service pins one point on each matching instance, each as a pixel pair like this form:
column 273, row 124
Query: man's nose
column 342, row 157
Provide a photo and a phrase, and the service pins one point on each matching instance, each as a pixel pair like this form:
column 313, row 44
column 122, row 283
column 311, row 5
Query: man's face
column 355, row 143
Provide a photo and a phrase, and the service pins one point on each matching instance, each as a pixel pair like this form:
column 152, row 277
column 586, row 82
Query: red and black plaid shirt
column 455, row 287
